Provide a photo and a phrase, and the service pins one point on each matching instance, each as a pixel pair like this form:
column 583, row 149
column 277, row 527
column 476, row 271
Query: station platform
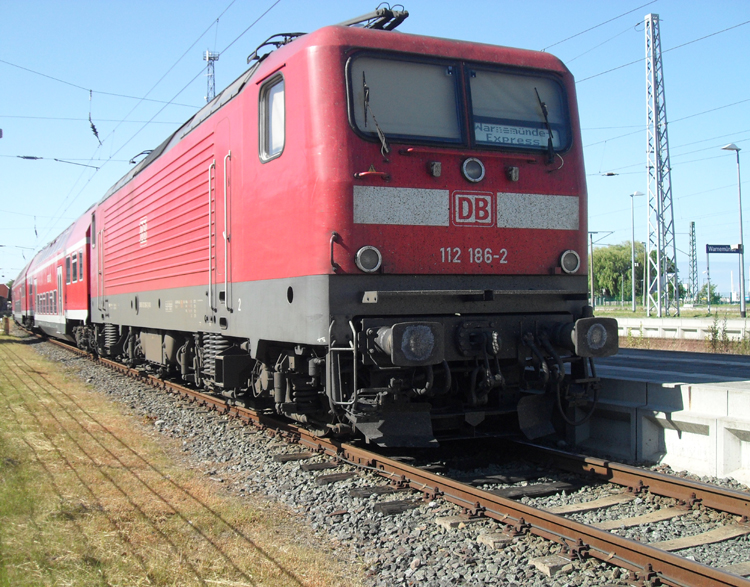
column 690, row 411
column 687, row 328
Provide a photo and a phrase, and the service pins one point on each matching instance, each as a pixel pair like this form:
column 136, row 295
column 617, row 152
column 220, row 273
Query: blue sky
column 105, row 56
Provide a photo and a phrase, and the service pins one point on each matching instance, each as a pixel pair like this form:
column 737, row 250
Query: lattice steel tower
column 210, row 57
column 661, row 269
column 693, row 265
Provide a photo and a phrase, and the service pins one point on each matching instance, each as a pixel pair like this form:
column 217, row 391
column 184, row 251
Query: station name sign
column 723, row 248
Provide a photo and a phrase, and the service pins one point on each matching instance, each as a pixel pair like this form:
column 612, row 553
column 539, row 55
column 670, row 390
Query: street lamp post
column 736, row 149
column 645, row 264
column 591, row 276
column 632, row 244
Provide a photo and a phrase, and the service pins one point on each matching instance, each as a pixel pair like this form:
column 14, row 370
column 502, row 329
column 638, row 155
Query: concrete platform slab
column 701, row 428
column 683, row 440
column 733, row 448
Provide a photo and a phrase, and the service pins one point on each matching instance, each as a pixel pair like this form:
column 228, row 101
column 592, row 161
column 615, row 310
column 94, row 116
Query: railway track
column 649, row 564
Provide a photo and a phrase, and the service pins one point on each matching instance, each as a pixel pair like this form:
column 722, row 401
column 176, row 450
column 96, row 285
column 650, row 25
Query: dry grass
column 665, row 344
column 87, row 499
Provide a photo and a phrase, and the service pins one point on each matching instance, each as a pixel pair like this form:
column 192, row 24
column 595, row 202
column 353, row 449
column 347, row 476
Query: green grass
column 88, row 496
column 731, row 311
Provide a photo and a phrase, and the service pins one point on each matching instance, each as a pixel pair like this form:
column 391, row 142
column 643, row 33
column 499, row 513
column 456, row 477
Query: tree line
column 612, row 274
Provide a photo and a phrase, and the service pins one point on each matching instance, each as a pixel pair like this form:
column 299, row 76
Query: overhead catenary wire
column 66, row 159
column 679, row 163
column 597, row 26
column 251, row 26
column 71, row 119
column 145, row 98
column 122, row 121
column 196, row 77
column 569, row 61
column 642, row 128
column 213, row 23
column 200, row 72
column 103, row 93
column 141, row 100
column 642, row 59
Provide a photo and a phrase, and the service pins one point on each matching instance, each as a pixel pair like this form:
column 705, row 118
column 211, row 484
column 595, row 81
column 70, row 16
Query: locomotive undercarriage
column 397, row 383
column 473, row 376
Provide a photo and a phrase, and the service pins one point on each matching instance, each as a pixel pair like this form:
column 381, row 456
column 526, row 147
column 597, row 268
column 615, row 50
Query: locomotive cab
column 465, row 302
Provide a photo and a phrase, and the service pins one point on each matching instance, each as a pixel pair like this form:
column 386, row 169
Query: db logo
column 474, row 209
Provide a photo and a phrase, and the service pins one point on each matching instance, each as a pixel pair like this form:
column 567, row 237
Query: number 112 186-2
column 473, row 255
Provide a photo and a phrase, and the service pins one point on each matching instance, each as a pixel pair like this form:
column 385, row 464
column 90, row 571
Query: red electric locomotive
column 366, row 232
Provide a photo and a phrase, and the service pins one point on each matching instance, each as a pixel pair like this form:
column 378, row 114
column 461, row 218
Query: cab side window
column 272, row 125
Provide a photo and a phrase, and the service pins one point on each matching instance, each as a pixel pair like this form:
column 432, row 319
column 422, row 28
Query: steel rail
column 687, row 491
column 647, row 564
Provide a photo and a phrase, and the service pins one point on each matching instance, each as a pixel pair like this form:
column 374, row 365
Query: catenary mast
column 693, row 265
column 661, row 267
column 210, row 57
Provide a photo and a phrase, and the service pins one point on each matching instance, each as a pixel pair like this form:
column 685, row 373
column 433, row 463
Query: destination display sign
column 723, row 248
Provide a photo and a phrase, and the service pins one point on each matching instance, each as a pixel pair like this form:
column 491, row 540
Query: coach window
column 67, row 270
column 402, row 99
column 80, row 265
column 272, row 119
column 93, row 230
column 74, row 266
column 518, row 111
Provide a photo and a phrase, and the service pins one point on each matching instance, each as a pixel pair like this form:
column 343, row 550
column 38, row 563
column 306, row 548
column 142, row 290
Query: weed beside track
column 87, row 499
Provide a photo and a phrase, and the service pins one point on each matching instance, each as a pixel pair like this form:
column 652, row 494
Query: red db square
column 473, row 209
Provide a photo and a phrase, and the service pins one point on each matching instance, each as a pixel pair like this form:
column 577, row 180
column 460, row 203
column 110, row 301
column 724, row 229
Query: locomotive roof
column 226, row 94
column 355, row 37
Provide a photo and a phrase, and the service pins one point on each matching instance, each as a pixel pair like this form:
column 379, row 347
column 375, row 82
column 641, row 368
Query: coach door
column 220, row 238
column 60, row 297
column 96, row 263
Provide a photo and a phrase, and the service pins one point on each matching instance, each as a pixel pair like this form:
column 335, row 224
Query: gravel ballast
column 405, row 549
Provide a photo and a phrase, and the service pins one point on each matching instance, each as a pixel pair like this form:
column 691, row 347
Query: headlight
column 473, row 170
column 570, row 261
column 368, row 259
column 595, row 337
column 411, row 344
column 417, row 343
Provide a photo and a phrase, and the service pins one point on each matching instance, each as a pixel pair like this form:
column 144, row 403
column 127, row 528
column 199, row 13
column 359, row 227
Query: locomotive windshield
column 420, row 101
column 507, row 110
column 405, row 99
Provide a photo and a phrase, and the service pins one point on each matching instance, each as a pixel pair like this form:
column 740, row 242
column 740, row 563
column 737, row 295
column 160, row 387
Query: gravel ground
column 406, row 549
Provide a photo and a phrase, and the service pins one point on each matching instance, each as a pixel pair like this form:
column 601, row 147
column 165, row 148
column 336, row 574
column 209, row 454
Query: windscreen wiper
column 550, row 147
column 384, row 148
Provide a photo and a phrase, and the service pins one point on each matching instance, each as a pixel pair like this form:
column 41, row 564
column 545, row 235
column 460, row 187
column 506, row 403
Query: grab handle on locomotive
column 385, row 176
column 335, row 238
